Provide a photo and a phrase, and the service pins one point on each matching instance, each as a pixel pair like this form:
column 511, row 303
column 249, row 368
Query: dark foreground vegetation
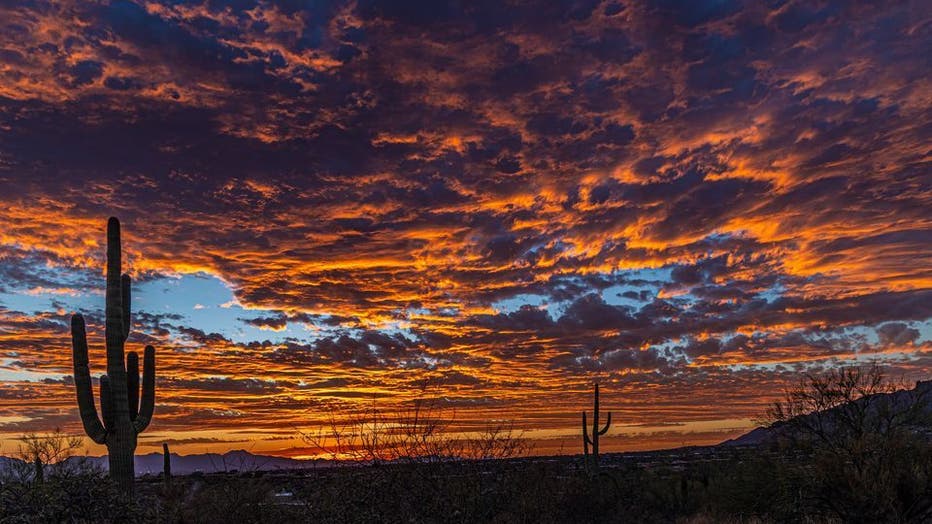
column 697, row 485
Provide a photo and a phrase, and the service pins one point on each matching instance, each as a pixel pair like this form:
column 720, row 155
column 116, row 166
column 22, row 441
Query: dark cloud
column 225, row 384
column 897, row 333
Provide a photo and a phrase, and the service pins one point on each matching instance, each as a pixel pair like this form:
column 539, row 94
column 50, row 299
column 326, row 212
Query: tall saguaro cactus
column 593, row 461
column 124, row 417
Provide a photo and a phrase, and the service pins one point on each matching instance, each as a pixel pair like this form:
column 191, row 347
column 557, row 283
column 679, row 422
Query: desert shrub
column 51, row 483
column 228, row 498
column 865, row 457
column 452, row 492
column 419, row 432
column 72, row 498
column 54, row 453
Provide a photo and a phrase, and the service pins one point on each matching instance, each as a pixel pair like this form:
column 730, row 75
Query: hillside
column 897, row 400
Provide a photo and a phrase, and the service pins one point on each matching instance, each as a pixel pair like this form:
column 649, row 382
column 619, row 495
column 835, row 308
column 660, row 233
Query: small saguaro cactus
column 124, row 417
column 593, row 460
column 166, row 466
column 40, row 470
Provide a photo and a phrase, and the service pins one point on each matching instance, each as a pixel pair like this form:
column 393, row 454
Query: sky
column 326, row 205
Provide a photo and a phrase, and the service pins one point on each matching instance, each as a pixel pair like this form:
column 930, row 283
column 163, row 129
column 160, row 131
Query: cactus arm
column 585, row 432
column 132, row 383
column 608, row 422
column 147, row 406
column 116, row 366
column 125, row 286
column 106, row 401
column 82, row 381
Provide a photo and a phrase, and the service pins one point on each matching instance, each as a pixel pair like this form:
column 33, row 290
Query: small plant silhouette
column 124, row 416
column 166, row 467
column 40, row 471
column 592, row 460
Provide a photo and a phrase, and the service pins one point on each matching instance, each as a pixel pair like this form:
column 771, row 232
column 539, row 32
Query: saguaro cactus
column 40, row 470
column 166, row 466
column 593, row 460
column 124, row 417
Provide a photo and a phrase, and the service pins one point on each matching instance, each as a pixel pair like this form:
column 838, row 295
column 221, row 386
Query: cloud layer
column 690, row 201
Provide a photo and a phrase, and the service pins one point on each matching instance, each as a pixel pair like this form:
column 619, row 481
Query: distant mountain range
column 151, row 464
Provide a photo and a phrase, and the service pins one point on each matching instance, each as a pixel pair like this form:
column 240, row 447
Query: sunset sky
column 325, row 204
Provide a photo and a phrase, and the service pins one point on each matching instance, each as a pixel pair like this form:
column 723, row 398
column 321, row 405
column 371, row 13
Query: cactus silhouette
column 124, row 417
column 593, row 460
column 40, row 471
column 166, row 466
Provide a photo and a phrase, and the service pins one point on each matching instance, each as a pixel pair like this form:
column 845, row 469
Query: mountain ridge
column 230, row 462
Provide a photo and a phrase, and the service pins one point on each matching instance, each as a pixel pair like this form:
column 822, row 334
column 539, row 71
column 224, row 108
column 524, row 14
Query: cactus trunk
column 595, row 428
column 124, row 417
column 592, row 458
column 121, row 447
column 40, row 471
